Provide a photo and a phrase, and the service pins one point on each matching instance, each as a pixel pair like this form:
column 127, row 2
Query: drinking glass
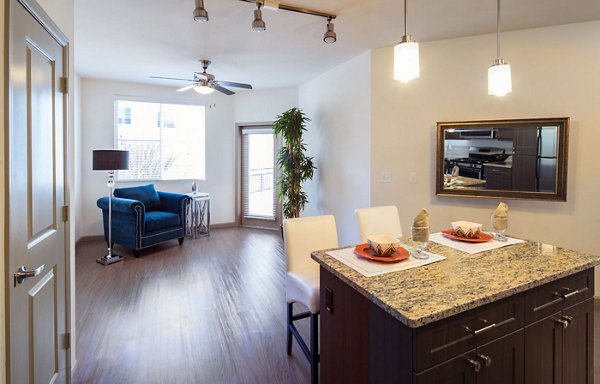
column 499, row 226
column 420, row 237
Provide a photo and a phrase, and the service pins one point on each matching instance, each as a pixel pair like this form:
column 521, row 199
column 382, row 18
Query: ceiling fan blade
column 187, row 87
column 223, row 90
column 237, row 85
column 169, row 78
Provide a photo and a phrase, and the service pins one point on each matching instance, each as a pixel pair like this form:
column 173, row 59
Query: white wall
column 77, row 160
column 263, row 106
column 339, row 137
column 98, row 132
column 555, row 73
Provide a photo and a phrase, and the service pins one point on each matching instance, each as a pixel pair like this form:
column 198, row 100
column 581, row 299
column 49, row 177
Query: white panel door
column 36, row 231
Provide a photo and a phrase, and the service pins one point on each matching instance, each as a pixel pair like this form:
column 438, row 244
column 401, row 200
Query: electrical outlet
column 386, row 177
column 412, row 177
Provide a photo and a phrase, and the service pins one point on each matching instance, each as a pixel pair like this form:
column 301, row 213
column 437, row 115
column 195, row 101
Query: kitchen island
column 517, row 314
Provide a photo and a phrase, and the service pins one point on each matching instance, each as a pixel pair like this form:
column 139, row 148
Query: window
column 165, row 141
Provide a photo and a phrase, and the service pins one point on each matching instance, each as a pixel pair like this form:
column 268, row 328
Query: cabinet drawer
column 543, row 301
column 450, row 337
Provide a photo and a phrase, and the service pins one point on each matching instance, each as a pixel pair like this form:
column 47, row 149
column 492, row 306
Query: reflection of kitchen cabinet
column 504, row 133
column 524, row 158
column 558, row 345
column 499, row 178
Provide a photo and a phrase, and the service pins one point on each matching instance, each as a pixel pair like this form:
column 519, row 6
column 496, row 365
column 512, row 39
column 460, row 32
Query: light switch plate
column 412, row 177
column 386, row 177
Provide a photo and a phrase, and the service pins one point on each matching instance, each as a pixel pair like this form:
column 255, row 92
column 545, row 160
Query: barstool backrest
column 378, row 221
column 303, row 235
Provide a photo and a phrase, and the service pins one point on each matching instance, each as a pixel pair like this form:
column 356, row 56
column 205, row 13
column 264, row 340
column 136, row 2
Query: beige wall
column 555, row 73
column 339, row 136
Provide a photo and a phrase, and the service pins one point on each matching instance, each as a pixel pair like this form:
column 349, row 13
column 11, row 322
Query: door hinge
column 67, row 340
column 64, row 85
column 65, row 213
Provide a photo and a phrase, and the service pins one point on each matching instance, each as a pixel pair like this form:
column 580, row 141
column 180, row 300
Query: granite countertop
column 422, row 295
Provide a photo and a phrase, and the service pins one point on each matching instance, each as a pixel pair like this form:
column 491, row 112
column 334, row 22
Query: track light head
column 330, row 36
column 258, row 25
column 200, row 13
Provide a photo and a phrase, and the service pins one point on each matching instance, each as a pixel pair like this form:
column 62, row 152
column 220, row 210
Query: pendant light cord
column 405, row 12
column 497, row 29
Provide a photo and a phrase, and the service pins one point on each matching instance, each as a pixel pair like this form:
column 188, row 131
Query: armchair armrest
column 121, row 205
column 173, row 202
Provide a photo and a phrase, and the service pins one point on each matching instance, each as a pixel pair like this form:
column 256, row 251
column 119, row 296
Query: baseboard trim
column 84, row 239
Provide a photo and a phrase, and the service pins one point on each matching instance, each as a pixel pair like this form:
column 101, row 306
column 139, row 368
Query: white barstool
column 378, row 221
column 302, row 236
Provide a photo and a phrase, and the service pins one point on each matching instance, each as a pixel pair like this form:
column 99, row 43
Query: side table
column 198, row 217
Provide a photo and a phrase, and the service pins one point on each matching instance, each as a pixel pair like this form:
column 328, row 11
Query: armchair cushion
column 145, row 193
column 157, row 220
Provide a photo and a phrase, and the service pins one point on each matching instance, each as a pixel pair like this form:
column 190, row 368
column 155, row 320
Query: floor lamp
column 110, row 160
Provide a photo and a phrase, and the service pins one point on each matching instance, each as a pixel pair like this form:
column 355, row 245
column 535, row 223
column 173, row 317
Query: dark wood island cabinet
column 536, row 328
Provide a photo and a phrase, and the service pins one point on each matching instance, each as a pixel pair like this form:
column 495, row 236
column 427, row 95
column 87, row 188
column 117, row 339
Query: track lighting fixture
column 499, row 76
column 330, row 36
column 258, row 25
column 200, row 13
column 406, row 56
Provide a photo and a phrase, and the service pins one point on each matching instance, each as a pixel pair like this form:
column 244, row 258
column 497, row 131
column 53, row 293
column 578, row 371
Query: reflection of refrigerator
column 546, row 159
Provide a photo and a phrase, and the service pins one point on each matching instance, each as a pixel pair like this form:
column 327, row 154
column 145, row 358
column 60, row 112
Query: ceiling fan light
column 499, row 78
column 200, row 13
column 406, row 60
column 258, row 25
column 330, row 36
column 204, row 89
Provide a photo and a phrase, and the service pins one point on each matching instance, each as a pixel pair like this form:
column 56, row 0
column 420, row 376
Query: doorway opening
column 259, row 200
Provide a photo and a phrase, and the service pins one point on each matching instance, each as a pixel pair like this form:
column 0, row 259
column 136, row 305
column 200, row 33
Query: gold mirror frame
column 560, row 194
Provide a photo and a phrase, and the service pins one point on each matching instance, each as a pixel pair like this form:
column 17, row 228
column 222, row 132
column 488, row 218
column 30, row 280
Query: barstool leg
column 290, row 316
column 314, row 348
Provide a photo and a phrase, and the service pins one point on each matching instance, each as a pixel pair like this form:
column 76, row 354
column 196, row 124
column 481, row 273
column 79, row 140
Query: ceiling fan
column 205, row 83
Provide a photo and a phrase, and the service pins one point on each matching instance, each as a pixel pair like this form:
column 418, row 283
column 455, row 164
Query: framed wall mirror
column 520, row 159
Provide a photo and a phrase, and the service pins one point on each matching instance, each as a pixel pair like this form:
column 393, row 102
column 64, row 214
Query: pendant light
column 200, row 14
column 406, row 56
column 258, row 25
column 499, row 76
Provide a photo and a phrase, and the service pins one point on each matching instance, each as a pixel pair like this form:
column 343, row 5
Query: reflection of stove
column 472, row 166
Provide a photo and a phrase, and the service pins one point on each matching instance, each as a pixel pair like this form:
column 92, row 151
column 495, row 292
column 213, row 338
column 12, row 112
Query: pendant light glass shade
column 499, row 78
column 406, row 60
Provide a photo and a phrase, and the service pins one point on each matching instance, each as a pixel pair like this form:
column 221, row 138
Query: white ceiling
column 132, row 40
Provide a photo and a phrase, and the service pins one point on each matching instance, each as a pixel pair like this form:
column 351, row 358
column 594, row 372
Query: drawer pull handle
column 569, row 319
column 480, row 330
column 564, row 323
column 566, row 295
column 487, row 361
column 475, row 364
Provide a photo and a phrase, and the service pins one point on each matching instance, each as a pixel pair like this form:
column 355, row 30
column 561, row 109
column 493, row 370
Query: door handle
column 23, row 273
column 487, row 361
column 476, row 365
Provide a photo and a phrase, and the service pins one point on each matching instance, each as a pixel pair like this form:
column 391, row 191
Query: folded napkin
column 500, row 217
column 422, row 219
column 420, row 229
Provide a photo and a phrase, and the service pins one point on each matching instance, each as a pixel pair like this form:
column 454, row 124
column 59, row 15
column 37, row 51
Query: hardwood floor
column 210, row 311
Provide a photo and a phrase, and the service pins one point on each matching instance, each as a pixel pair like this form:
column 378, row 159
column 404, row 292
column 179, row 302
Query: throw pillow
column 145, row 193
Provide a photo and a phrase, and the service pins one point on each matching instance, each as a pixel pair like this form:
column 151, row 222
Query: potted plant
column 295, row 166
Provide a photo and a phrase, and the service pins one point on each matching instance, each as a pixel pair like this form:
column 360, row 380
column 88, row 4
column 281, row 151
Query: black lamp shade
column 110, row 160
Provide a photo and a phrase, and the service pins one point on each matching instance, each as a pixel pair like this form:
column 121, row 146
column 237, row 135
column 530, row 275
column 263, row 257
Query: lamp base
column 106, row 260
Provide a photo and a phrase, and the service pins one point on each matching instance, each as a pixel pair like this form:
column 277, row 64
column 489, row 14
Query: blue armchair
column 142, row 216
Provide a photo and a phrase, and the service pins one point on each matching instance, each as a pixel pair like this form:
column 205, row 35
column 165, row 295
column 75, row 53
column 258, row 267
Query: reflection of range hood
column 476, row 133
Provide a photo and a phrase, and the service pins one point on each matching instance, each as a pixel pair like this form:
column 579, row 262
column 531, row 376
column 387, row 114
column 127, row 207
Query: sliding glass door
column 259, row 203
